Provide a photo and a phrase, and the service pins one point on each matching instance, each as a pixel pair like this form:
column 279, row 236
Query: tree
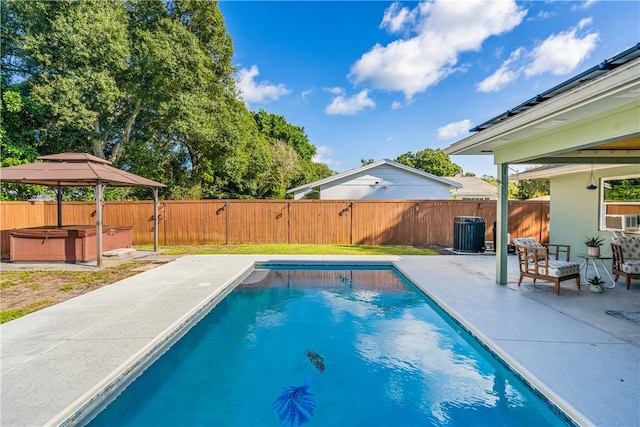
column 319, row 171
column 432, row 161
column 285, row 167
column 528, row 189
column 292, row 166
column 72, row 55
column 128, row 81
column 512, row 188
column 276, row 127
column 17, row 140
column 365, row 162
column 148, row 85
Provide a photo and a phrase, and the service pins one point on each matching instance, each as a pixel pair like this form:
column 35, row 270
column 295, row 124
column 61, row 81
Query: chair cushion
column 559, row 268
column 630, row 246
column 531, row 242
column 632, row 266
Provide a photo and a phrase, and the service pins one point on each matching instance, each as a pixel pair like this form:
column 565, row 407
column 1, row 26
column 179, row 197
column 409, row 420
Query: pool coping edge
column 85, row 407
column 569, row 413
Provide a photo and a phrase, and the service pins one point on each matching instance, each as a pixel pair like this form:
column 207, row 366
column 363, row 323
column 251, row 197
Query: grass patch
column 24, row 292
column 19, row 277
column 292, row 249
column 8, row 315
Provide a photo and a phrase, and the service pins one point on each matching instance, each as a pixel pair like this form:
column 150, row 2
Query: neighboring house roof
column 355, row 171
column 472, row 185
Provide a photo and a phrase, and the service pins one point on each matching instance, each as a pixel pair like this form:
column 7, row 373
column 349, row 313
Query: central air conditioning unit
column 621, row 222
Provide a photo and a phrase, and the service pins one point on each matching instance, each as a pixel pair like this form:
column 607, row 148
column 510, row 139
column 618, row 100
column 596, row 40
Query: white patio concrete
column 52, row 360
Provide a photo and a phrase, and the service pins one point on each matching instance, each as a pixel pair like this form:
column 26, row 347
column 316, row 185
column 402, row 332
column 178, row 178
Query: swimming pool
column 391, row 357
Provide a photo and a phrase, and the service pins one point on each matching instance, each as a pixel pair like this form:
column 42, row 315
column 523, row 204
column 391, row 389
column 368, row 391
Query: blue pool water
column 391, row 358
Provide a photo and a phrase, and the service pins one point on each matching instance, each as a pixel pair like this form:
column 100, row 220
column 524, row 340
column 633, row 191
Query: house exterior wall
column 575, row 211
column 384, row 183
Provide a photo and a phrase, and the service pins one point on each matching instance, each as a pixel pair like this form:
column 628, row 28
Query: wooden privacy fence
column 369, row 222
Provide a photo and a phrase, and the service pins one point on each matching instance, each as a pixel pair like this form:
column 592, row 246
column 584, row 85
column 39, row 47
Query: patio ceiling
column 594, row 120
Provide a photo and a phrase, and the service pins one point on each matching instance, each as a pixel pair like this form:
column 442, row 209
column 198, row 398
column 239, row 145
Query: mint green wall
column 575, row 211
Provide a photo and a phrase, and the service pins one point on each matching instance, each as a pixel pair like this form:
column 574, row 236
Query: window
column 620, row 203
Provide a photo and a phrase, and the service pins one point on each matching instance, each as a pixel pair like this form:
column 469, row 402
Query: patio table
column 592, row 259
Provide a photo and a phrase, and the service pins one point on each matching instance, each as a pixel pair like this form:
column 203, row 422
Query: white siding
column 384, row 183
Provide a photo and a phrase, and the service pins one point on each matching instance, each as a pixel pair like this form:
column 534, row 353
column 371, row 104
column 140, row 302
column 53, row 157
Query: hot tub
column 69, row 243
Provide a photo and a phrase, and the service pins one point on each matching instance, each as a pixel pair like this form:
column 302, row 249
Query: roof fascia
column 365, row 168
column 620, row 79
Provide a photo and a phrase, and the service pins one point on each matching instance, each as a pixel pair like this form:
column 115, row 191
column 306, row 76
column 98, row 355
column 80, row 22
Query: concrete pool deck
column 53, row 359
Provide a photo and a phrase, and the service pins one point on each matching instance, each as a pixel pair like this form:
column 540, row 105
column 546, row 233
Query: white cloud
column 342, row 105
column 583, row 5
column 558, row 54
column 336, row 90
column 544, row 14
column 396, row 20
column 441, row 31
column 252, row 91
column 500, row 78
column 455, row 129
column 324, row 155
column 396, row 105
column 563, row 52
column 503, row 75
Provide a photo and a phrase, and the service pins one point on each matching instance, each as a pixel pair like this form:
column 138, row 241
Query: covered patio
column 590, row 119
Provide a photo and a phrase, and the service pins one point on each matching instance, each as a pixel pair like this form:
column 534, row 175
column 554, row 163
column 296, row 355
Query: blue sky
column 373, row 80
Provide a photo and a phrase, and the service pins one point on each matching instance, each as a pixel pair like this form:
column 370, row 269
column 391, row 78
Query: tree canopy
column 148, row 85
column 433, row 161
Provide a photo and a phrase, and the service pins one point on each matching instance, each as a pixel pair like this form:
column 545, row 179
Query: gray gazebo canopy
column 81, row 170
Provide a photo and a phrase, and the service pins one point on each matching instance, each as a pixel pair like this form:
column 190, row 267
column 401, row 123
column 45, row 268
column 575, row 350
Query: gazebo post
column 155, row 218
column 58, row 190
column 99, row 223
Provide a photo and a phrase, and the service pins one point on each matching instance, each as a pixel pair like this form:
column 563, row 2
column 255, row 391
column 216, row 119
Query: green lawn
column 290, row 249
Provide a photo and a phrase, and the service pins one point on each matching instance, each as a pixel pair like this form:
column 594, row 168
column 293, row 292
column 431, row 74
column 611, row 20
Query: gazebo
column 81, row 170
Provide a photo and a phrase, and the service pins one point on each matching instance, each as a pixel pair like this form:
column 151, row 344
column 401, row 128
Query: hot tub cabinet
column 69, row 243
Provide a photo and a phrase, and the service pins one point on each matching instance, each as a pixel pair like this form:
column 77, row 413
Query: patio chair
column 626, row 258
column 542, row 261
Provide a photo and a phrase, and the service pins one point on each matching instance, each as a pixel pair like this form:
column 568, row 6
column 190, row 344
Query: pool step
column 118, row 255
